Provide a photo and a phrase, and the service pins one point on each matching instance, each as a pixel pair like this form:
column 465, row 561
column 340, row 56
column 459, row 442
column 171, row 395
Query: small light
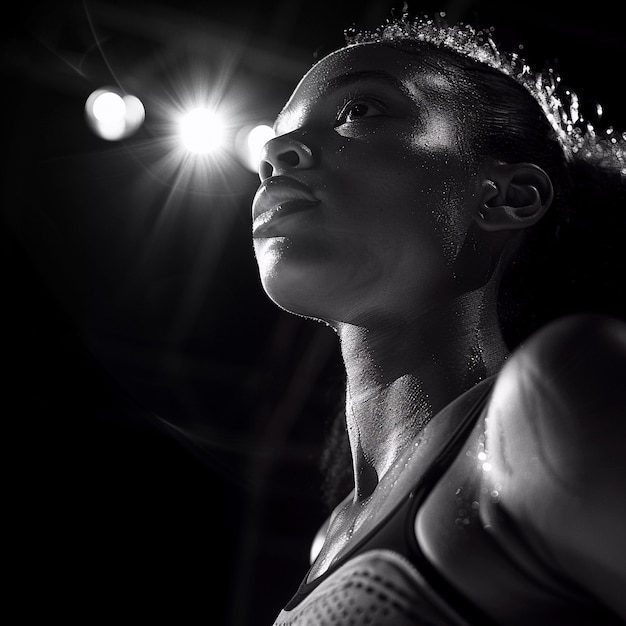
column 257, row 138
column 113, row 115
column 201, row 131
column 250, row 143
column 109, row 108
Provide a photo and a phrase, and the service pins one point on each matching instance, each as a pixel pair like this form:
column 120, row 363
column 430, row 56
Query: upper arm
column 556, row 441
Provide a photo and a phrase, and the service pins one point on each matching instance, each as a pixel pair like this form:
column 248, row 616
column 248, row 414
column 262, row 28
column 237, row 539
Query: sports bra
column 385, row 579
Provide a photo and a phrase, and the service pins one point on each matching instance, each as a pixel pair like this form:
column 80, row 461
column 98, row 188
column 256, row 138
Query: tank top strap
column 396, row 531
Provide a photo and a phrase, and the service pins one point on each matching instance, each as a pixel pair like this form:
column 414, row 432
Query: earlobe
column 513, row 196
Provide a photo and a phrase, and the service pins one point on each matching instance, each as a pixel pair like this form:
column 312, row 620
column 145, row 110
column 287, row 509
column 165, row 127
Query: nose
column 283, row 153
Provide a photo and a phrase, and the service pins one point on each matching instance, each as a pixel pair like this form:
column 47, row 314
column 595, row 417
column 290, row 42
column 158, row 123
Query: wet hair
column 572, row 260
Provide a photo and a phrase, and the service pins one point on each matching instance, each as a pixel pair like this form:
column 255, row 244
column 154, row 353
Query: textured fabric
column 375, row 588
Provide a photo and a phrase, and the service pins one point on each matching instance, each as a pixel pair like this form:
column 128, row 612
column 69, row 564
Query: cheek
column 415, row 183
column 415, row 158
column 438, row 134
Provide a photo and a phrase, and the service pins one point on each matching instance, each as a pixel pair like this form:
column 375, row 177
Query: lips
column 279, row 196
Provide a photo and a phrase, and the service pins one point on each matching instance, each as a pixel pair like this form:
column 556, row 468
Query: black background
column 163, row 420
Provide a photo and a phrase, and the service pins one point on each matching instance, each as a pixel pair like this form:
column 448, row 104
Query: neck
column 399, row 375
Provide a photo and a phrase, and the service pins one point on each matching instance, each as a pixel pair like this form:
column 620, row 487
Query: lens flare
column 113, row 115
column 197, row 114
column 202, row 131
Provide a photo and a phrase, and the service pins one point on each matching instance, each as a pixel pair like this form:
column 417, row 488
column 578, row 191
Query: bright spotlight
column 250, row 143
column 202, row 131
column 113, row 115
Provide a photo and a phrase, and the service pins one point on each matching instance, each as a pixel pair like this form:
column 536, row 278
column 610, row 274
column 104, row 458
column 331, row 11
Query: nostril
column 280, row 154
column 265, row 170
column 291, row 158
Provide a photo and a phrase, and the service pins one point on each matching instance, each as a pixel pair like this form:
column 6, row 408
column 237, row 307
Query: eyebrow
column 352, row 77
column 349, row 78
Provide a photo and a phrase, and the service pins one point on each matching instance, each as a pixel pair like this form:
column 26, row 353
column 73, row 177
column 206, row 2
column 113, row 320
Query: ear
column 512, row 196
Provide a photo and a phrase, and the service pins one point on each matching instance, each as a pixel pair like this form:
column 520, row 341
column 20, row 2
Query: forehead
column 416, row 73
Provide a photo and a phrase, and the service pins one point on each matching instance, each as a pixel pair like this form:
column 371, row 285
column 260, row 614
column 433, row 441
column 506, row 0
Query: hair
column 571, row 260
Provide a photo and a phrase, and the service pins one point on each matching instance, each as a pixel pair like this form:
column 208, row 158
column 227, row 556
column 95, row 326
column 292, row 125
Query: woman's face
column 366, row 194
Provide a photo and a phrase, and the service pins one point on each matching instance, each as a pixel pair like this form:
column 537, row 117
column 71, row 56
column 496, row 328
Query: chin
column 322, row 282
column 296, row 298
column 299, row 284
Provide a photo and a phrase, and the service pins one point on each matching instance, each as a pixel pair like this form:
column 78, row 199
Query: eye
column 357, row 109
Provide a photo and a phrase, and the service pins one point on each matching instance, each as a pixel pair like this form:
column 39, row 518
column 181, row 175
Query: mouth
column 278, row 197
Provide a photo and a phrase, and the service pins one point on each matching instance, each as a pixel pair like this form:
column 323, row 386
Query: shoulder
column 556, row 441
column 564, row 391
column 578, row 350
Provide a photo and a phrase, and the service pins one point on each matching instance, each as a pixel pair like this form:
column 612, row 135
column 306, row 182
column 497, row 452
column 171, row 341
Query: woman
column 410, row 186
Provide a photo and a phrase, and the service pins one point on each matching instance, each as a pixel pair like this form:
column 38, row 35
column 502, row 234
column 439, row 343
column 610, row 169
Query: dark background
column 163, row 421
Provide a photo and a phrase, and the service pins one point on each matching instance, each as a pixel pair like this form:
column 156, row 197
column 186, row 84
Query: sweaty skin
column 387, row 165
column 378, row 138
column 392, row 249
